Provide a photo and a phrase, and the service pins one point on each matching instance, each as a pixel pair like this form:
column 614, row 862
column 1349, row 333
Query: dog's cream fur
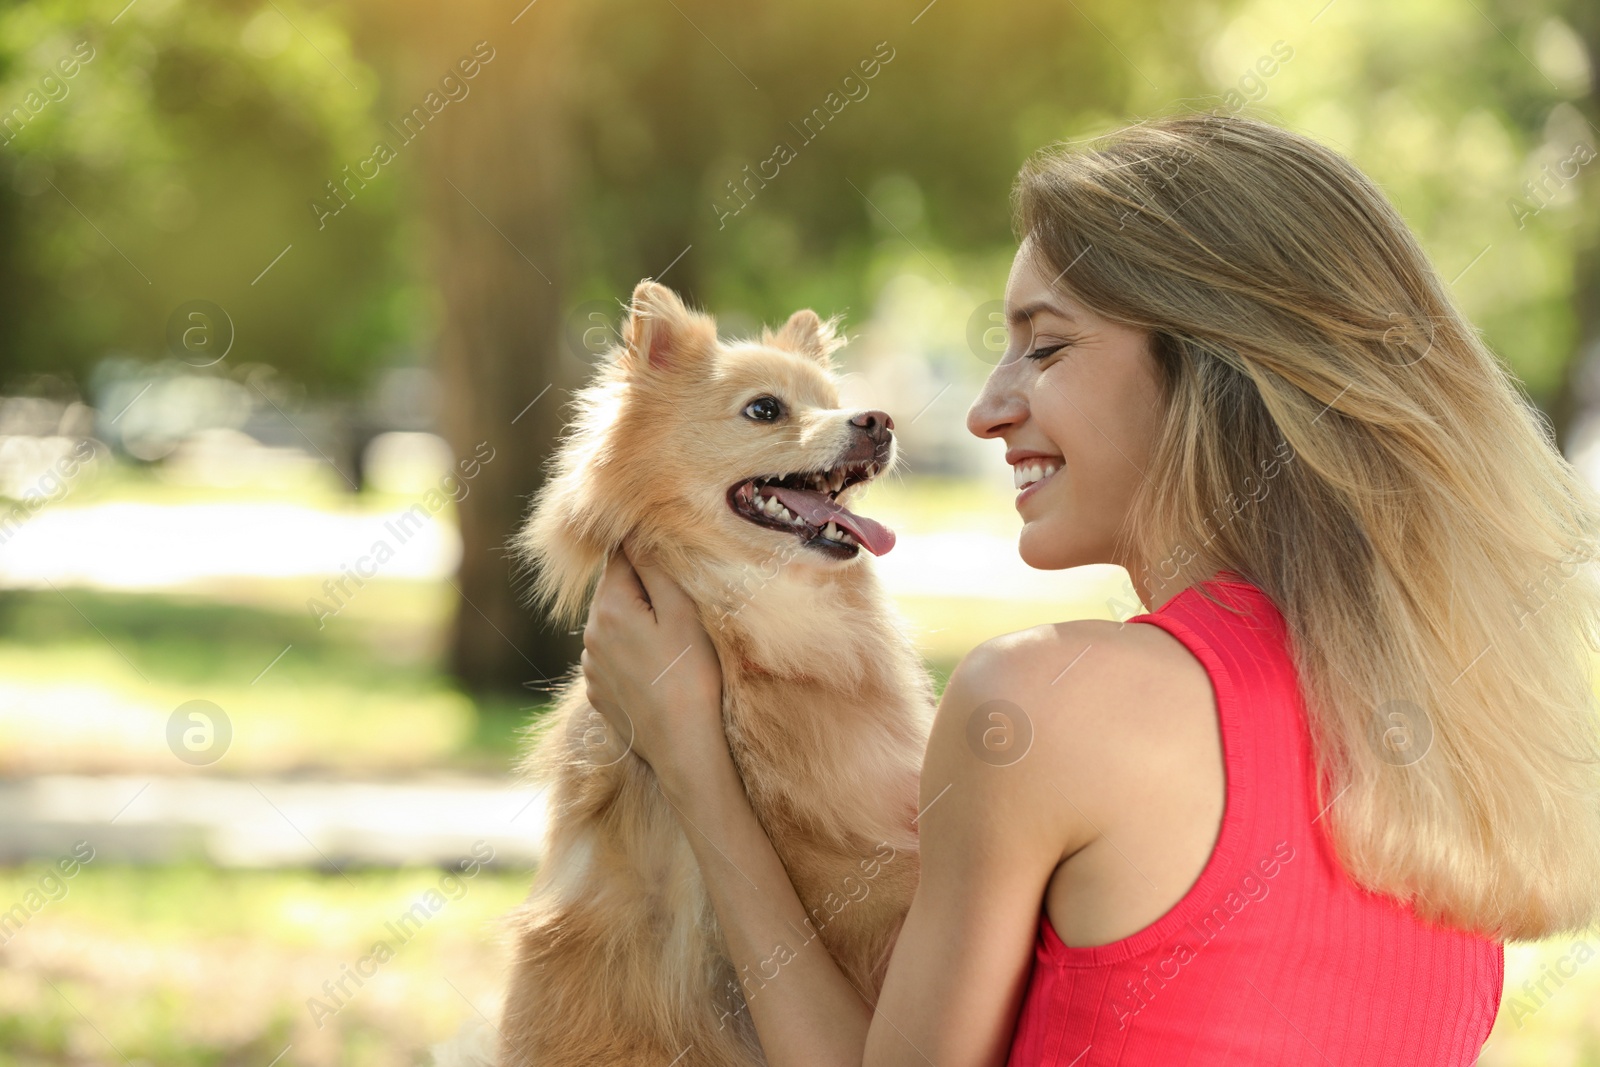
column 619, row 959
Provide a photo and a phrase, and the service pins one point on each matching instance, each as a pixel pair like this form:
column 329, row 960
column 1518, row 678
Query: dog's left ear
column 663, row 334
column 809, row 335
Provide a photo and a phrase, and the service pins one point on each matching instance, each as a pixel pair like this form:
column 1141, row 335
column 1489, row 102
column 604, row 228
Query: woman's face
column 1076, row 399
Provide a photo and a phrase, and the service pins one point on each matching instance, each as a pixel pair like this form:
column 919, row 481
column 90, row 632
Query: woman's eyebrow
column 1018, row 316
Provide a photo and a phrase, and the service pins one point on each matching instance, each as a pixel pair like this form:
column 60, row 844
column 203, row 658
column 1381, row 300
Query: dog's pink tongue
column 818, row 509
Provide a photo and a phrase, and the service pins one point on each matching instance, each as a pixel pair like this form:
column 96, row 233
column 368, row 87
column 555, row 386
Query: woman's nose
column 998, row 407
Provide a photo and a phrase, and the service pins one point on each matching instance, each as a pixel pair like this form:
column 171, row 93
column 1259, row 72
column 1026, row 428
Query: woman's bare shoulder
column 1092, row 702
column 1080, row 657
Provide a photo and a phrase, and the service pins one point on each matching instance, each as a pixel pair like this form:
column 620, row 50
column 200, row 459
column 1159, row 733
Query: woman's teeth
column 1035, row 471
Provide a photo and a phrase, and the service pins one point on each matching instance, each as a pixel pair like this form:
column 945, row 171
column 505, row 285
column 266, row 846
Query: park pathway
column 266, row 822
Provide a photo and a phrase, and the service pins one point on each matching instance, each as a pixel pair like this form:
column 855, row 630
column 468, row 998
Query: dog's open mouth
column 807, row 505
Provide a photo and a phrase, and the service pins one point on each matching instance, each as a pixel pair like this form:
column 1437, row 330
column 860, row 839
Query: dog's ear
column 809, row 335
column 663, row 334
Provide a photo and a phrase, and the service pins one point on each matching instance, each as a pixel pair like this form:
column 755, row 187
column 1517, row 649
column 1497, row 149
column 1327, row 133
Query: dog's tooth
column 783, row 513
column 830, row 531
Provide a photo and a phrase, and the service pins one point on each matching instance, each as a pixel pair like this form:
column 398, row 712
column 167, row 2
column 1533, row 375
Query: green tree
column 156, row 173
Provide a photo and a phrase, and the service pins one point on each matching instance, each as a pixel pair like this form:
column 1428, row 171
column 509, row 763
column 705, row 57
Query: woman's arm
column 991, row 832
column 804, row 1008
column 990, row 838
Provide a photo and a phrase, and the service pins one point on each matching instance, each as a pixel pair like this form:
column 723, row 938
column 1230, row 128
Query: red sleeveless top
column 1274, row 956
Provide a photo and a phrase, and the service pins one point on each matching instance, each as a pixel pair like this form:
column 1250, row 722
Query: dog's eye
column 763, row 409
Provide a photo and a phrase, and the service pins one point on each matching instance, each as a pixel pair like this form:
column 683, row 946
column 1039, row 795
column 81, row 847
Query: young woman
column 1291, row 814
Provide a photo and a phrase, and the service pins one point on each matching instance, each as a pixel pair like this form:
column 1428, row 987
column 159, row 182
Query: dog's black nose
column 877, row 424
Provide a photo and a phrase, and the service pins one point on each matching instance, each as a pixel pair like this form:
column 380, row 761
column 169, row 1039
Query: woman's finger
column 619, row 584
column 662, row 593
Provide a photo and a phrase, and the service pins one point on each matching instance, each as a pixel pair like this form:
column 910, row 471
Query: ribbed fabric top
column 1274, row 956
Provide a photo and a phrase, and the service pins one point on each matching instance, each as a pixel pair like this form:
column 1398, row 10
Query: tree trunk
column 496, row 190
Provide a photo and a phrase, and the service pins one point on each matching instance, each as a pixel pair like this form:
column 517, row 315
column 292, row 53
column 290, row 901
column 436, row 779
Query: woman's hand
column 652, row 671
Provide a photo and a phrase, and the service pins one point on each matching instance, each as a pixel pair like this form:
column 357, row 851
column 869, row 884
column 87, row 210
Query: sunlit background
column 292, row 296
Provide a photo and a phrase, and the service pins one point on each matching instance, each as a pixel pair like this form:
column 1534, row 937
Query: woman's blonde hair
column 1338, row 434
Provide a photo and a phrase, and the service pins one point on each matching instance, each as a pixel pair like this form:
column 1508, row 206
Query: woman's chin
column 1046, row 550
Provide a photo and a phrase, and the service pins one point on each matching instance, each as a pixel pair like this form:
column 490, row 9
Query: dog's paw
column 475, row 1045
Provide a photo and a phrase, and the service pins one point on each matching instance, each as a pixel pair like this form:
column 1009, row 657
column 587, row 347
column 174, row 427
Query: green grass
column 90, row 678
column 189, row 965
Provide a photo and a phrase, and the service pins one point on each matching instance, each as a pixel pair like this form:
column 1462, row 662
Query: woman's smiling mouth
column 1032, row 471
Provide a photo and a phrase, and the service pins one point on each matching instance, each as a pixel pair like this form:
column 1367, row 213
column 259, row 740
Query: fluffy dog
column 729, row 464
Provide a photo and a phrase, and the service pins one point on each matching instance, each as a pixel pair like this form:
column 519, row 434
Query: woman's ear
column 661, row 333
column 809, row 335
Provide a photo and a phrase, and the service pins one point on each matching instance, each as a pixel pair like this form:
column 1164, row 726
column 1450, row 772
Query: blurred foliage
column 174, row 165
column 803, row 152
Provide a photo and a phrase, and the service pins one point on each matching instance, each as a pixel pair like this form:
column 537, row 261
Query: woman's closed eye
column 1044, row 351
